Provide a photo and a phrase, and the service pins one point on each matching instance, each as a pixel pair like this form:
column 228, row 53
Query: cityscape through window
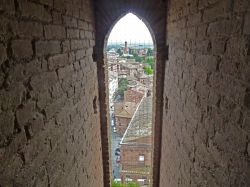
column 130, row 64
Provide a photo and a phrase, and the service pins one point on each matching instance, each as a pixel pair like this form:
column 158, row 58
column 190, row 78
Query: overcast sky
column 131, row 29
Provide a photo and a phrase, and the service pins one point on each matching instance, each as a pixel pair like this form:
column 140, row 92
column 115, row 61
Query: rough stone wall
column 49, row 119
column 206, row 126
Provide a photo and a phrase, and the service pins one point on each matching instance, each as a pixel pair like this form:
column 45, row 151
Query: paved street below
column 116, row 138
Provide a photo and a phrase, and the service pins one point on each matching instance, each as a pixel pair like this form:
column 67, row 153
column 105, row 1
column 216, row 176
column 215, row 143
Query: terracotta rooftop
column 125, row 109
column 140, row 126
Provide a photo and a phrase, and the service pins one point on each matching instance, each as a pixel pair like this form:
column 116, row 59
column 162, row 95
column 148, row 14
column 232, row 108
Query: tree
column 150, row 61
column 119, row 51
column 122, row 86
column 148, row 70
column 129, row 184
column 150, row 52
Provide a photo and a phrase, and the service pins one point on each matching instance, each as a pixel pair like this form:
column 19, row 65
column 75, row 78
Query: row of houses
column 136, row 145
column 133, row 118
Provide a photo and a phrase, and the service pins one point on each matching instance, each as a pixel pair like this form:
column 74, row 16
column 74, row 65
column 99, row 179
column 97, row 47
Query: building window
column 141, row 158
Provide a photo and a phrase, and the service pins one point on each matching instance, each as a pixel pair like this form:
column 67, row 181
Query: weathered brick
column 5, row 24
column 47, row 47
column 80, row 54
column 240, row 6
column 82, row 34
column 89, row 52
column 24, row 114
column 246, row 29
column 7, row 6
column 219, row 45
column 72, row 57
column 40, row 77
column 194, row 19
column 65, row 72
column 44, row 81
column 7, row 118
column 204, row 94
column 219, row 10
column 70, row 22
column 66, row 46
column 92, row 43
column 46, row 2
column 54, row 32
column 57, row 61
column 22, row 48
column 206, row 114
column 223, row 28
column 57, row 17
column 247, row 98
column 248, row 149
column 79, row 44
column 29, row 29
column 88, row 34
column 73, row 33
column 82, row 25
column 34, row 11
column 3, row 54
column 91, row 27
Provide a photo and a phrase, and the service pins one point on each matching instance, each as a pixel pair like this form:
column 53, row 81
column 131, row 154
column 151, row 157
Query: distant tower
column 126, row 48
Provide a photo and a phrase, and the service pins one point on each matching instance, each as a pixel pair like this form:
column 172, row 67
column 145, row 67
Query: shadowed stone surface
column 49, row 131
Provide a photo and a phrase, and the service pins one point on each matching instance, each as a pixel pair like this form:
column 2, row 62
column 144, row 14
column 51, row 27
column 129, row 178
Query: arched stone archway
column 153, row 14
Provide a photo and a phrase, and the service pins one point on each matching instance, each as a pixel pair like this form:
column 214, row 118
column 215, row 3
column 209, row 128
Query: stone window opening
column 105, row 21
column 133, row 105
column 141, row 158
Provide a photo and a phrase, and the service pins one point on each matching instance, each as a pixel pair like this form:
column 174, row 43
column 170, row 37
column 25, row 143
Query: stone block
column 82, row 25
column 7, row 123
column 248, row 149
column 82, row 35
column 3, row 54
column 80, row 54
column 65, row 72
column 58, row 61
column 7, row 6
column 54, row 32
column 73, row 33
column 219, row 46
column 77, row 44
column 88, row 35
column 55, row 106
column 194, row 19
column 22, row 49
column 70, row 22
column 92, row 43
column 247, row 98
column 34, row 11
column 66, row 46
column 43, row 81
column 58, row 5
column 57, row 17
column 46, row 2
column 26, row 29
column 219, row 10
column 246, row 29
column 223, row 28
column 25, row 113
column 44, row 48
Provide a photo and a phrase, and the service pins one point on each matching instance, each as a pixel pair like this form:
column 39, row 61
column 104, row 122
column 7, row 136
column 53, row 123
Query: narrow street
column 116, row 138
